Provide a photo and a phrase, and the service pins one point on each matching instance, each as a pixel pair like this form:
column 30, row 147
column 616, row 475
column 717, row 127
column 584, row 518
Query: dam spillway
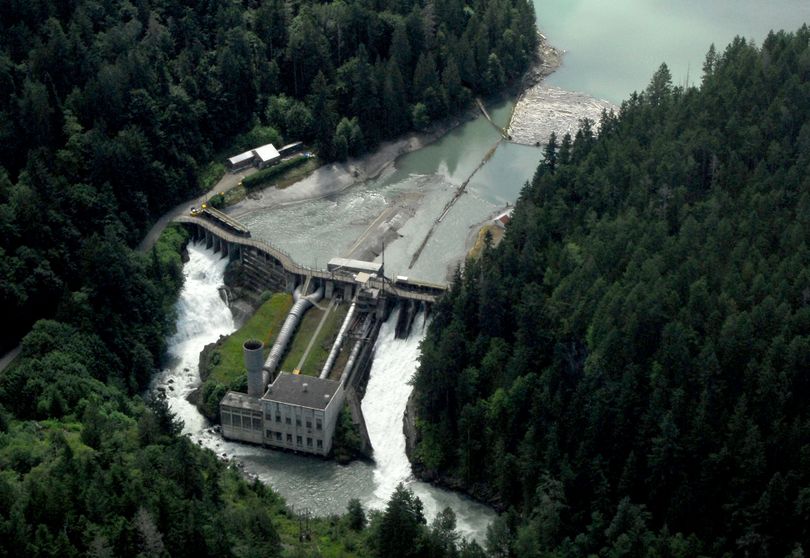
column 274, row 269
column 325, row 486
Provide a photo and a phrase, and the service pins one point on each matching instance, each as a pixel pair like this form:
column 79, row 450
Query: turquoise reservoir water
column 613, row 47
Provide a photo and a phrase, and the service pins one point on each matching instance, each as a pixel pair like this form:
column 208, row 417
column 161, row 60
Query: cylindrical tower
column 254, row 364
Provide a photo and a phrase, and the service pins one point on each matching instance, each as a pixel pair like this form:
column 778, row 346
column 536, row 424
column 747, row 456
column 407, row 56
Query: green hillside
column 628, row 371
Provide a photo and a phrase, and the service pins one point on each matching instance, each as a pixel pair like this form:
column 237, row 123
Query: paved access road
column 226, row 183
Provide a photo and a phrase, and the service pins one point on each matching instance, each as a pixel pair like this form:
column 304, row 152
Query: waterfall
column 202, row 316
column 387, row 393
column 384, row 403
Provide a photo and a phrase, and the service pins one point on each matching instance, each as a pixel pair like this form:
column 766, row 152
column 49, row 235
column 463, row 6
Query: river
column 612, row 49
column 321, row 486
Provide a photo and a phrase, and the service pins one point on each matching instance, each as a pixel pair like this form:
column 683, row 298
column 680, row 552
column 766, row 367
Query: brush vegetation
column 222, row 365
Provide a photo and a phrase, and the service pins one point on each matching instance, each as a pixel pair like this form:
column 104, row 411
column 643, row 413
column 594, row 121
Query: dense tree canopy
column 110, row 112
column 108, row 109
column 85, row 469
column 629, row 370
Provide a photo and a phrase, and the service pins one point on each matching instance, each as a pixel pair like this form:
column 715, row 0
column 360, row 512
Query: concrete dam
column 297, row 409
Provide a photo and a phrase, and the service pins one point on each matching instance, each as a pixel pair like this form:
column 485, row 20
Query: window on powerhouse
column 252, row 422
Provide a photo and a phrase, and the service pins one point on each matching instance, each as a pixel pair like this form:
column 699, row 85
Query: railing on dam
column 291, row 266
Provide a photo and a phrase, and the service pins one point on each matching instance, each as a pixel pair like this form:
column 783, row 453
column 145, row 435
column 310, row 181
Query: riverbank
column 480, row 492
column 335, row 177
column 548, row 59
column 542, row 109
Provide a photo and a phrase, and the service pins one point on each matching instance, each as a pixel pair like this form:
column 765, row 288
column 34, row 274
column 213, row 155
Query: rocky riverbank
column 479, row 492
column 542, row 109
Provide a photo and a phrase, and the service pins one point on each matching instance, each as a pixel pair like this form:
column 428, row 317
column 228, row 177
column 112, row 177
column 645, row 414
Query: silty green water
column 317, row 230
column 614, row 47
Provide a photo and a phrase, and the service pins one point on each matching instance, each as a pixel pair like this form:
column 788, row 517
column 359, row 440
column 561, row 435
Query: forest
column 627, row 373
column 110, row 112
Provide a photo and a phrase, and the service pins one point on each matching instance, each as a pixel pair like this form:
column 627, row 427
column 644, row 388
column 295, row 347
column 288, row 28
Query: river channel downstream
column 320, row 486
column 611, row 49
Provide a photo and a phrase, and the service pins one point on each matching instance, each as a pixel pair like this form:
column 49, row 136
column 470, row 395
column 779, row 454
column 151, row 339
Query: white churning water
column 202, row 316
column 387, row 393
column 322, row 486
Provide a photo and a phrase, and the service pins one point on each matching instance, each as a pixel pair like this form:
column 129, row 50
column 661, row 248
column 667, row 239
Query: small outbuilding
column 503, row 219
column 266, row 155
column 354, row 266
column 291, row 148
column 241, row 161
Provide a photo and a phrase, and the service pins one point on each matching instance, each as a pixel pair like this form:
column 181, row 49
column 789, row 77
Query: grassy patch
column 223, row 367
column 478, row 247
column 264, row 325
column 275, row 173
column 323, row 342
column 304, row 332
column 326, row 337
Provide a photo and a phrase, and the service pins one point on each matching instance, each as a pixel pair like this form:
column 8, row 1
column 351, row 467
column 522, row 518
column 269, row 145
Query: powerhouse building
column 295, row 412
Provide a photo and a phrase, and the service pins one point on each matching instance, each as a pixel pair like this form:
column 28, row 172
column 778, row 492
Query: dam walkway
column 227, row 242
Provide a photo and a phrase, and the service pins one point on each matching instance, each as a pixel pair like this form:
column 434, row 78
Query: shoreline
column 547, row 61
column 542, row 109
column 334, row 178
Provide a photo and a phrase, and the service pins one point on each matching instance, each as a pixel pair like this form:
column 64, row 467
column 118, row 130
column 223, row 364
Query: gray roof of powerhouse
column 289, row 389
column 241, row 401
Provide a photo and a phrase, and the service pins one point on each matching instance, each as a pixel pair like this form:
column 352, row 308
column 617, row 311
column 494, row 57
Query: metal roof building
column 304, row 391
column 240, row 161
column 266, row 155
column 354, row 266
